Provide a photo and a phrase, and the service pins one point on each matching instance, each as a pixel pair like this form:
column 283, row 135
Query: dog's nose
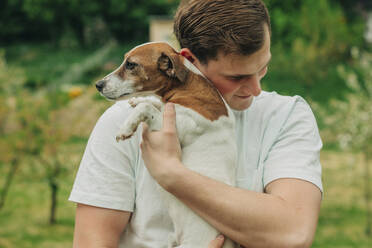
column 100, row 85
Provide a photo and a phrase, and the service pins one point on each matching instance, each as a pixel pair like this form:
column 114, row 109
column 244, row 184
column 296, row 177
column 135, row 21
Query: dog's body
column 205, row 124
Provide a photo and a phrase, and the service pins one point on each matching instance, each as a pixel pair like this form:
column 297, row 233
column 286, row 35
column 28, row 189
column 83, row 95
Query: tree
column 309, row 39
column 350, row 119
column 11, row 148
column 51, row 20
column 39, row 125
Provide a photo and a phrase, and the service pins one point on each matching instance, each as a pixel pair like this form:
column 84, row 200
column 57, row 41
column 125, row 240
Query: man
column 278, row 194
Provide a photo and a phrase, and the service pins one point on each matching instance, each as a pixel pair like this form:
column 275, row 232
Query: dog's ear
column 172, row 65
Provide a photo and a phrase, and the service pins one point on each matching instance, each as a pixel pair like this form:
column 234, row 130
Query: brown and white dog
column 205, row 124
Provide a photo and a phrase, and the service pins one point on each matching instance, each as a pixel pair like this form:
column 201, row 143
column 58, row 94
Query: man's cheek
column 226, row 88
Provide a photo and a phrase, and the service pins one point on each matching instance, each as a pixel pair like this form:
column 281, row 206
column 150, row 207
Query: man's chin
column 240, row 104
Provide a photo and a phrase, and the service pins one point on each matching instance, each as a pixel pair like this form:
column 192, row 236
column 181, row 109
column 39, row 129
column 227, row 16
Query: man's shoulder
column 274, row 100
column 116, row 112
column 111, row 120
column 271, row 108
column 271, row 103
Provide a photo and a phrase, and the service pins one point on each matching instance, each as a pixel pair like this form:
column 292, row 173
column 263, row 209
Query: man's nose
column 254, row 85
column 100, row 85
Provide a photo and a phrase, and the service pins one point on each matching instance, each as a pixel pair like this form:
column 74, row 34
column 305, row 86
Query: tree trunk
column 367, row 193
column 54, row 188
column 8, row 181
column 53, row 205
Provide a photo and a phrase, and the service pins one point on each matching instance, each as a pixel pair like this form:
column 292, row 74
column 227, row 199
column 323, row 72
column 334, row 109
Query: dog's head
column 151, row 68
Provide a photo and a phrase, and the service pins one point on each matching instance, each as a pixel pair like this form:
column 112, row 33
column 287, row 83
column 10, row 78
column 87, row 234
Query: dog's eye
column 130, row 65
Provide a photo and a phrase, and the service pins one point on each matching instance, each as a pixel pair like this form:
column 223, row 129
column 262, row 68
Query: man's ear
column 185, row 52
column 172, row 65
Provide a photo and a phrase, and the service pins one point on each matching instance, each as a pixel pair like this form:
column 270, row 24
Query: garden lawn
column 24, row 219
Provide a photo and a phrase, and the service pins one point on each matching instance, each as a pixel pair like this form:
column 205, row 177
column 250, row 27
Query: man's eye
column 236, row 79
column 130, row 65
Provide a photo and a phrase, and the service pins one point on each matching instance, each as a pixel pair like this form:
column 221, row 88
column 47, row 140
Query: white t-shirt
column 277, row 137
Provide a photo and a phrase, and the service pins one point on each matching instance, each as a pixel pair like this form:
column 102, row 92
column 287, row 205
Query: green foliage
column 317, row 23
column 309, row 40
column 349, row 120
column 37, row 123
column 128, row 20
column 44, row 65
column 25, row 214
column 11, row 137
column 55, row 19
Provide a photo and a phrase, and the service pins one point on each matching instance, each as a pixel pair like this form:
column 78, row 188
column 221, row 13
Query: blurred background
column 52, row 52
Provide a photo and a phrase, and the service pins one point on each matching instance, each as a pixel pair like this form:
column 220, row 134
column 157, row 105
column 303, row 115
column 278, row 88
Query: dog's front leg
column 143, row 112
column 134, row 101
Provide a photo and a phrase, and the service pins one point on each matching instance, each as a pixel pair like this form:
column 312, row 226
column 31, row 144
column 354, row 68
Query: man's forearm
column 251, row 219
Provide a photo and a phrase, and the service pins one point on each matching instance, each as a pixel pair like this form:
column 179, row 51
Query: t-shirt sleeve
column 106, row 174
column 295, row 151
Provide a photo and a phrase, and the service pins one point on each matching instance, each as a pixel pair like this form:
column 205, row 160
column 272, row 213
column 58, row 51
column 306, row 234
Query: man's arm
column 284, row 216
column 98, row 227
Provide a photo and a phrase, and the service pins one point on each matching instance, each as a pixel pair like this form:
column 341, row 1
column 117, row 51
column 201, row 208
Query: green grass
column 342, row 221
column 24, row 219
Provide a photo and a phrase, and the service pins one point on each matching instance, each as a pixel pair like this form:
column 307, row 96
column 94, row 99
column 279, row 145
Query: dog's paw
column 122, row 137
column 126, row 131
column 124, row 134
column 133, row 102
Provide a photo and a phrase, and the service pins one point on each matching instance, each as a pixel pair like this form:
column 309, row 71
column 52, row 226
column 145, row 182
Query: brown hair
column 230, row 26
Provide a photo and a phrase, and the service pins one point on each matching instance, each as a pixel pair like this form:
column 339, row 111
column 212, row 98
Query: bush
column 53, row 20
column 310, row 39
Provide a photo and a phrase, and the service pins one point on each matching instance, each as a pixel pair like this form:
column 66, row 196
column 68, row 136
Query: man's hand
column 217, row 242
column 161, row 150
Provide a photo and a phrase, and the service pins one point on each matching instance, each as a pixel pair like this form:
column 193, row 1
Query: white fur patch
column 151, row 42
column 116, row 87
column 140, row 94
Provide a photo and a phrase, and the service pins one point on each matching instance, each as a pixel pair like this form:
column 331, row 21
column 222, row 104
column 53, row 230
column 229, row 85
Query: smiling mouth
column 244, row 97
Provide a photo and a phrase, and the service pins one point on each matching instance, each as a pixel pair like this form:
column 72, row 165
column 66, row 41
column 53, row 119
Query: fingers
column 169, row 118
column 217, row 242
column 145, row 130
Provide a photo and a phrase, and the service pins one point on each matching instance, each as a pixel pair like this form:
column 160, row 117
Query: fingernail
column 169, row 105
column 220, row 237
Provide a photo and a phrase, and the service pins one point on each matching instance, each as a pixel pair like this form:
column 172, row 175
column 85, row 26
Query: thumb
column 217, row 242
column 145, row 131
column 169, row 117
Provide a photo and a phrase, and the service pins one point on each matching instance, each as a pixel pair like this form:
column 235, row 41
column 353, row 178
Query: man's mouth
column 243, row 97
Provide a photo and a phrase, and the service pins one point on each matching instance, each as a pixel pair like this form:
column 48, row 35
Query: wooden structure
column 161, row 29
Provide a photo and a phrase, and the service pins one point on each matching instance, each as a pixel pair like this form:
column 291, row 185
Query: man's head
column 207, row 27
column 229, row 41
